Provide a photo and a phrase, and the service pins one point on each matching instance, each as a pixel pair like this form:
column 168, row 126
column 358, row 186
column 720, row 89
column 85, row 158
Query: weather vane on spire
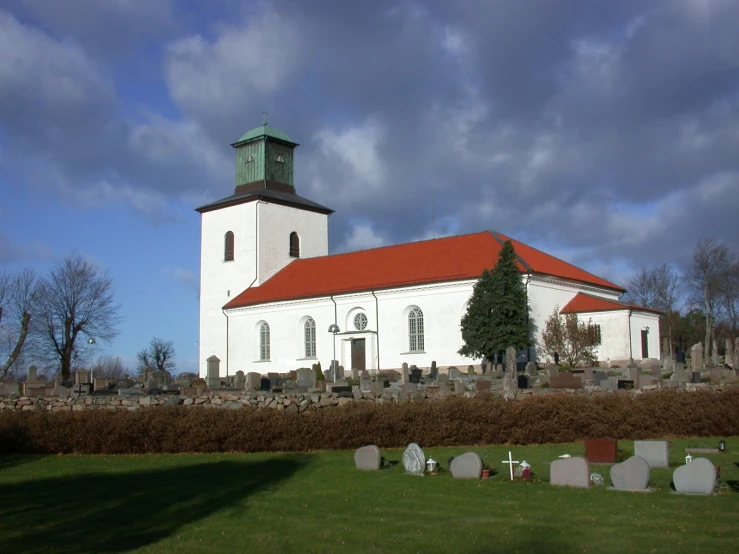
column 264, row 118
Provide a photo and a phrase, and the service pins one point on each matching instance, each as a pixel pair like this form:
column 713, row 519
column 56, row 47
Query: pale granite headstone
column 570, row 472
column 213, row 379
column 414, row 460
column 697, row 477
column 466, row 466
column 531, row 369
column 696, row 356
column 656, row 453
column 368, row 458
column 631, row 475
column 253, row 381
column 510, row 361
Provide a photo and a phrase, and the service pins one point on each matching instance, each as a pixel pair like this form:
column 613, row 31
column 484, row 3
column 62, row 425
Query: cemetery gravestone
column 565, row 380
column 433, row 371
column 239, row 380
column 454, row 374
column 253, row 381
column 631, row 475
column 656, row 453
column 601, row 451
column 599, row 377
column 368, row 458
column 531, row 369
column 482, row 385
column 697, row 477
column 570, row 472
column 510, row 361
column 213, row 379
column 414, row 460
column 466, row 466
column 523, row 381
column 552, row 370
column 696, row 356
column 405, row 373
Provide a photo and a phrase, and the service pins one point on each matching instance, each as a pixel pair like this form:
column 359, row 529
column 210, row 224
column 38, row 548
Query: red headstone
column 601, row 451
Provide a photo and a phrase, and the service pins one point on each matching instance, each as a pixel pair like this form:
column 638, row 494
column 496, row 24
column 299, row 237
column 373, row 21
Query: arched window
column 310, row 338
column 228, row 247
column 264, row 341
column 415, row 330
column 294, row 245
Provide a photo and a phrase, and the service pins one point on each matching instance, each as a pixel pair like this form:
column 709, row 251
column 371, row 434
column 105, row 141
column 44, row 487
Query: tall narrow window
column 228, row 247
column 264, row 341
column 294, row 245
column 415, row 330
column 310, row 338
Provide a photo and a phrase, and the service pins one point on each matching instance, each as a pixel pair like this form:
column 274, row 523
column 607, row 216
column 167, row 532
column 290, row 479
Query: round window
column 360, row 322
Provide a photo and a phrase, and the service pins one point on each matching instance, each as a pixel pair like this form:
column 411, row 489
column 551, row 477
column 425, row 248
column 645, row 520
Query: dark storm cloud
column 608, row 128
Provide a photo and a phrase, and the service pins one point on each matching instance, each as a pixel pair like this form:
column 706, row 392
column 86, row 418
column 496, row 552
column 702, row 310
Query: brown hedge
column 455, row 421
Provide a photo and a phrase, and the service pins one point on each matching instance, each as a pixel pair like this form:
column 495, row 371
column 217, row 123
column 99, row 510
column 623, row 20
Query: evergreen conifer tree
column 497, row 314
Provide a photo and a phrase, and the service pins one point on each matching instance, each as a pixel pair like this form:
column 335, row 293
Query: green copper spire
column 264, row 159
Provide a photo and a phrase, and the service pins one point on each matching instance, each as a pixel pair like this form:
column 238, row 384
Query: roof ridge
column 524, row 263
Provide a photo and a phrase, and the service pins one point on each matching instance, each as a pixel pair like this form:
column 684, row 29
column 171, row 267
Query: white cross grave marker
column 510, row 461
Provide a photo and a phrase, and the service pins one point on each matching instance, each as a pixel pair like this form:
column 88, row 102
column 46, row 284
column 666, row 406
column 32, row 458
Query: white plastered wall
column 261, row 248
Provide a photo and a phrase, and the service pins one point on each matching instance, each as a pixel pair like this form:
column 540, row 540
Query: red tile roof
column 415, row 263
column 587, row 303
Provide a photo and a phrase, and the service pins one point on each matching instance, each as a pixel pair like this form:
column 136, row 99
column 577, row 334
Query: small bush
column 457, row 421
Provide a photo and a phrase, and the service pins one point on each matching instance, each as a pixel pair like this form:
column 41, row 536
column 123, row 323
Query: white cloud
column 362, row 236
column 221, row 77
column 352, row 159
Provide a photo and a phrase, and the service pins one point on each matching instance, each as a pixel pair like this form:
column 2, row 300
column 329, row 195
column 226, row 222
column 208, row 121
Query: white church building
column 272, row 299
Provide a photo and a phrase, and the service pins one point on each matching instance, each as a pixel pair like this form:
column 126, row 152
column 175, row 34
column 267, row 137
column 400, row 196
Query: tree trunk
column 18, row 346
column 709, row 324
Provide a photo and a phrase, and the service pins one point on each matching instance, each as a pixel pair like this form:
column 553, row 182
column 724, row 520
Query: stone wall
column 295, row 402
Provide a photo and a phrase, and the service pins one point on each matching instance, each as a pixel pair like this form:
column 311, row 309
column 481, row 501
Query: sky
column 605, row 133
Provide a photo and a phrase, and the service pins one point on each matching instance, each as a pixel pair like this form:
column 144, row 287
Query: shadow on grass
column 122, row 511
column 13, row 460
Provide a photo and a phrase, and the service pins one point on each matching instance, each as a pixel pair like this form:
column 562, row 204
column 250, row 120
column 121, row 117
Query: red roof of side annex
column 416, row 263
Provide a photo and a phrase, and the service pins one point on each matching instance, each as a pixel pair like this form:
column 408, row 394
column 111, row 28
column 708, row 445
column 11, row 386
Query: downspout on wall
column 377, row 330
column 631, row 353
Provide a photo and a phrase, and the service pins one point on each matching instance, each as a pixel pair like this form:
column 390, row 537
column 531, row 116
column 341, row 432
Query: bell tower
column 253, row 233
column 264, row 160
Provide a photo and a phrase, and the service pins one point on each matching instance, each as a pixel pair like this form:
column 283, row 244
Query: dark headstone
column 265, row 383
column 601, row 451
column 695, row 377
column 565, row 380
column 415, row 375
column 482, row 385
column 523, row 381
column 625, row 384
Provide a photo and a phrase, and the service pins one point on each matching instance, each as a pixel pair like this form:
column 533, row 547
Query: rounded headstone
column 414, row 460
column 466, row 466
column 630, row 475
column 368, row 458
column 697, row 477
column 570, row 472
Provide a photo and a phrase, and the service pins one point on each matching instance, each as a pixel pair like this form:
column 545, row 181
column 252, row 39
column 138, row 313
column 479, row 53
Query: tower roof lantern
column 264, row 131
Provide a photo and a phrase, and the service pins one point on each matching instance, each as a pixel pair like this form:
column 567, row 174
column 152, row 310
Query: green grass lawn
column 318, row 502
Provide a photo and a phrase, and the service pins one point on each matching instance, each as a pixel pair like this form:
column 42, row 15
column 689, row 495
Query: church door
column 644, row 344
column 358, row 359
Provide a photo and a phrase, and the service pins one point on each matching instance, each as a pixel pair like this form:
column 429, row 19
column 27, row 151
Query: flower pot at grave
column 485, row 474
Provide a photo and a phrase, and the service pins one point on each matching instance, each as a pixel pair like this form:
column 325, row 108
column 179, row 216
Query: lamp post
column 333, row 328
column 91, row 342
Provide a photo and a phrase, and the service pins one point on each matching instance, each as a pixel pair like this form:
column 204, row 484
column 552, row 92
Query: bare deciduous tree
column 657, row 288
column 707, row 275
column 75, row 299
column 17, row 295
column 109, row 367
column 159, row 355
